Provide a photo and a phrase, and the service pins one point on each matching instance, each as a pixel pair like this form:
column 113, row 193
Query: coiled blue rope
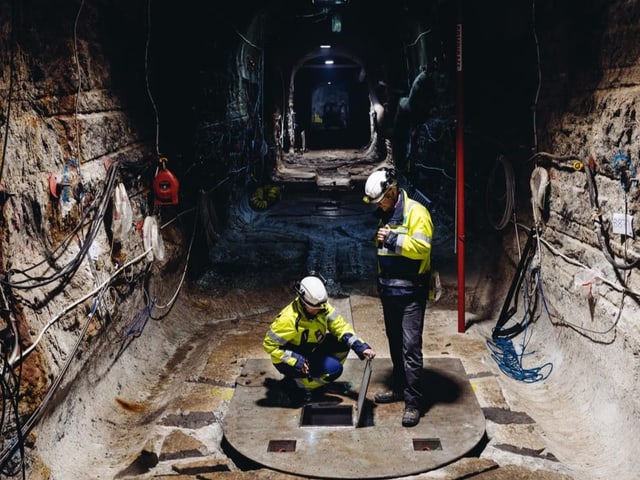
column 510, row 362
column 504, row 353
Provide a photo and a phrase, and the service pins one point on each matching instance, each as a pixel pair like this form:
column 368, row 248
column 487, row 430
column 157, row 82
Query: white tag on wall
column 623, row 224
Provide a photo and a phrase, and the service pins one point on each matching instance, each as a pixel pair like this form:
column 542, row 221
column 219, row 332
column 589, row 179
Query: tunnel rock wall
column 74, row 104
column 589, row 96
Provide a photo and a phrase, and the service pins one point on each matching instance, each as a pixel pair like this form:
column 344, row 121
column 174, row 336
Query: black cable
column 599, row 227
column 10, row 383
column 7, row 453
column 66, row 272
column 507, row 196
column 501, row 346
column 509, row 308
column 10, row 94
column 10, row 386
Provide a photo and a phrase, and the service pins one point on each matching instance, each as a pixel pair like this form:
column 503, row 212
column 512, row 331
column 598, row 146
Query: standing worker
column 403, row 240
column 309, row 340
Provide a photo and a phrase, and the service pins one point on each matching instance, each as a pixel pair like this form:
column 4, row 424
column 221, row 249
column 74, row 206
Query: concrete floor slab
column 267, row 432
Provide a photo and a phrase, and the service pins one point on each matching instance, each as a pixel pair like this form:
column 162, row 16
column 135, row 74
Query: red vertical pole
column 460, row 173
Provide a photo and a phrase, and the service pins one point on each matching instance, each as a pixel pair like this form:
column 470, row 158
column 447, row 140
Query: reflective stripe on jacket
column 294, row 330
column 404, row 260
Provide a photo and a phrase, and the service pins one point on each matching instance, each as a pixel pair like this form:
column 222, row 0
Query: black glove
column 355, row 344
column 391, row 241
column 359, row 347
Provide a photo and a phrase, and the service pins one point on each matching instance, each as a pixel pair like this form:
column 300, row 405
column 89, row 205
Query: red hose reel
column 165, row 185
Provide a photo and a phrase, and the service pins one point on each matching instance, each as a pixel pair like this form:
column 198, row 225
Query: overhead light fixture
column 330, row 2
column 328, row 62
column 325, row 46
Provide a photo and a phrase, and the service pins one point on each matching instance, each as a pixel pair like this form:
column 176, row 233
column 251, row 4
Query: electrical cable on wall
column 527, row 280
column 510, row 305
column 17, row 444
column 582, row 329
column 7, row 453
column 576, row 263
column 539, row 183
column 442, row 171
column 496, row 195
column 137, row 327
column 501, row 347
column 10, row 386
column 406, row 55
column 71, row 306
column 10, row 465
column 173, row 298
column 627, row 177
column 551, row 156
column 64, row 273
column 622, row 289
column 79, row 73
column 146, row 77
column 539, row 85
column 10, row 92
column 261, row 127
column 598, row 223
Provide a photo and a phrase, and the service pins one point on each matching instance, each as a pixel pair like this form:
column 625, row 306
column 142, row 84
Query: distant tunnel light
column 328, row 62
column 325, row 46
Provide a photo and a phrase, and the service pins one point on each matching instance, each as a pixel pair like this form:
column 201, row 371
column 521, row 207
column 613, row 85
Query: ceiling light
column 325, row 46
column 328, row 62
column 330, row 2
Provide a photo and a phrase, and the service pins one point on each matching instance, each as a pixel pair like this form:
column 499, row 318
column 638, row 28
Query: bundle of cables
column 501, row 346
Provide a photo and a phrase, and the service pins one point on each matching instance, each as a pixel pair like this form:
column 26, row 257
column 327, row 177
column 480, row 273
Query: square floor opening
column 319, row 415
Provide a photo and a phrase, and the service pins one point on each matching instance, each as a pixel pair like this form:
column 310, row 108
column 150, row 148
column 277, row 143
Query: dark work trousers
column 404, row 322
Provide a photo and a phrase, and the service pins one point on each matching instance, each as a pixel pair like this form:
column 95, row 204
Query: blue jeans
column 325, row 364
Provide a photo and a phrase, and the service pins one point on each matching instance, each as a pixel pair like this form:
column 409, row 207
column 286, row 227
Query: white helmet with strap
column 378, row 183
column 312, row 291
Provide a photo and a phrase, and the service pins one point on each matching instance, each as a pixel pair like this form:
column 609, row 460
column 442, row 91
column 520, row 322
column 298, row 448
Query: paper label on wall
column 623, row 224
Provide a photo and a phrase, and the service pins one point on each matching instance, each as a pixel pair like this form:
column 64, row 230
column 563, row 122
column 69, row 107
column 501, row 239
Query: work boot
column 299, row 397
column 410, row 417
column 293, row 396
column 388, row 396
column 339, row 388
column 308, row 395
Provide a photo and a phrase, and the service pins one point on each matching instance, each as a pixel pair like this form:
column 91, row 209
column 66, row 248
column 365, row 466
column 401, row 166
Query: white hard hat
column 312, row 291
column 378, row 183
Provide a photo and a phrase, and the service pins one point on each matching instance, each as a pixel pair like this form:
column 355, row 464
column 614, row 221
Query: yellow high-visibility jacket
column 294, row 334
column 404, row 259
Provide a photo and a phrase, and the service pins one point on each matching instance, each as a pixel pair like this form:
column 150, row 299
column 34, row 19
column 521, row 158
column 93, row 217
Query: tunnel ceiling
column 372, row 32
column 282, row 35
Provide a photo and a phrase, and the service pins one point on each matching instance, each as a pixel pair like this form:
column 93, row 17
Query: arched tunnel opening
column 332, row 105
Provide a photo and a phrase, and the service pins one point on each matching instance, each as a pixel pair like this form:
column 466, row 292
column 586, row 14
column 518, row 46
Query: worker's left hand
column 369, row 353
column 382, row 233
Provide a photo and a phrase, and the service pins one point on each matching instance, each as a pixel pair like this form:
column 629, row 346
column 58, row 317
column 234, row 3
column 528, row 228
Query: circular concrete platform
column 262, row 429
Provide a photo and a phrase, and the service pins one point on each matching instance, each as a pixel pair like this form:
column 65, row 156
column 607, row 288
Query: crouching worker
column 309, row 340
